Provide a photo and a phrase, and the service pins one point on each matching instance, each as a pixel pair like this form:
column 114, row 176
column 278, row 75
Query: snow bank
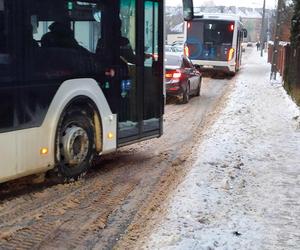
column 243, row 191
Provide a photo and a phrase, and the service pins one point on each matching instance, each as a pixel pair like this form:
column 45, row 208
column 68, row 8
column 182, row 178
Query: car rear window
column 173, row 60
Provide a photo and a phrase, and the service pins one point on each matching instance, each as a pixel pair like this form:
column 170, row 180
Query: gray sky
column 243, row 3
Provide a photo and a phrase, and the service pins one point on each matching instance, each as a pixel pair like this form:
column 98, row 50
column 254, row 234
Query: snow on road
column 243, row 192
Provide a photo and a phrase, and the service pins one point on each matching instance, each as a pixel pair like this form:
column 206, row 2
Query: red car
column 182, row 78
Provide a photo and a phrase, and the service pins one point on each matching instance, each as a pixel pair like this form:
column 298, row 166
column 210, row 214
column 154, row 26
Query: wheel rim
column 74, row 145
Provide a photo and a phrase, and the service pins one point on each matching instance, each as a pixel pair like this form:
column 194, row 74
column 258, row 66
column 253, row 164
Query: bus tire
column 75, row 145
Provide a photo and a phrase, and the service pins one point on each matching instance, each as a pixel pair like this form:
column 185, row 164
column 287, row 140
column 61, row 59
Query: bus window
column 60, row 43
column 7, row 94
column 88, row 32
column 4, row 53
column 3, row 40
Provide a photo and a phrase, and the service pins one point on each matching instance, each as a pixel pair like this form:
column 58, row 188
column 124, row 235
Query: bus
column 77, row 79
column 214, row 42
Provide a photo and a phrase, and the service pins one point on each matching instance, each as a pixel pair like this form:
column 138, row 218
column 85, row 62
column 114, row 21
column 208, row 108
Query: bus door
column 128, row 105
column 153, row 87
column 141, row 92
column 239, row 48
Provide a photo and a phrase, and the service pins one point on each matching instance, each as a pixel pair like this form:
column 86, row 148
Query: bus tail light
column 186, row 51
column 230, row 54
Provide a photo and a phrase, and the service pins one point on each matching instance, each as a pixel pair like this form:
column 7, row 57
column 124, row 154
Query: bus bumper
column 214, row 66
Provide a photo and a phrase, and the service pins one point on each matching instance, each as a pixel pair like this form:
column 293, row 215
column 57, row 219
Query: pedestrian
column 258, row 46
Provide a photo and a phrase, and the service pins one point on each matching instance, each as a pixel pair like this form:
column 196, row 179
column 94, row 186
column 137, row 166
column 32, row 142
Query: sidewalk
column 244, row 190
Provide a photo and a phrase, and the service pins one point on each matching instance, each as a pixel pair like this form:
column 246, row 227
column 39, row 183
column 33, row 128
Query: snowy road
column 225, row 175
column 243, row 192
column 118, row 196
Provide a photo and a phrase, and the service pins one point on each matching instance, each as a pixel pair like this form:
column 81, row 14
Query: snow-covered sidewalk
column 244, row 190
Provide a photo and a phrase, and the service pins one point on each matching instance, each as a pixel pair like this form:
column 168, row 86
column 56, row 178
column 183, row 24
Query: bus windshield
column 210, row 39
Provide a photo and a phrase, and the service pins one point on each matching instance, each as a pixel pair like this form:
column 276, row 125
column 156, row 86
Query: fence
column 288, row 62
column 282, row 57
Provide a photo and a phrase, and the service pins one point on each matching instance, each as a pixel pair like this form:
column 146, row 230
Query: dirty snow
column 243, row 192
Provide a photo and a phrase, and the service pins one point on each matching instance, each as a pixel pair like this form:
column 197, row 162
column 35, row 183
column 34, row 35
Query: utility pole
column 276, row 40
column 262, row 34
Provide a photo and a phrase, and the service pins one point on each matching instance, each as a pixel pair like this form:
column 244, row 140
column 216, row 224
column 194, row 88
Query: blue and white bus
column 214, row 42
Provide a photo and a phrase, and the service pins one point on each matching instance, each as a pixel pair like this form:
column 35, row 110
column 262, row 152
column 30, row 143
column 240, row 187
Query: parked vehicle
column 182, row 78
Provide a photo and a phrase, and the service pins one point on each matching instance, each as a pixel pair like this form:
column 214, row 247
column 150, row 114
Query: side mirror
column 188, row 10
column 245, row 32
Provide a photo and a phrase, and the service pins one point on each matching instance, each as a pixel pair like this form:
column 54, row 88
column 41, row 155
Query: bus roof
column 217, row 16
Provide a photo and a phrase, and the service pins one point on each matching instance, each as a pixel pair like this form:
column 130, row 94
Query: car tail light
column 173, row 74
column 231, row 27
column 169, row 75
column 177, row 75
column 188, row 25
column 174, row 88
column 230, row 54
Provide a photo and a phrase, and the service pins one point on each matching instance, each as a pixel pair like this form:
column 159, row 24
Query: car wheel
column 75, row 145
column 186, row 95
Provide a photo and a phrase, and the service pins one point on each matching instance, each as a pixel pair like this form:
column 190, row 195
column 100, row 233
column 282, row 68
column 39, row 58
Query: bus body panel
column 26, row 160
column 210, row 65
column 85, row 87
column 8, row 166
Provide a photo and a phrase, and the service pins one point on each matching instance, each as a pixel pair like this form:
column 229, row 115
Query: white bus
column 75, row 81
column 214, row 42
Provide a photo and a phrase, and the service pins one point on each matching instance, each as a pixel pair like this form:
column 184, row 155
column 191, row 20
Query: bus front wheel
column 75, row 144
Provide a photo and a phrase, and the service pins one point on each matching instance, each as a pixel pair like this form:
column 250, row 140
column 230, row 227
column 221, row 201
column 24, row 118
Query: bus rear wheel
column 75, row 144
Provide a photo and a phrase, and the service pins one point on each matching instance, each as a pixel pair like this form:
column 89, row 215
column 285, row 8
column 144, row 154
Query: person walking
column 258, row 46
